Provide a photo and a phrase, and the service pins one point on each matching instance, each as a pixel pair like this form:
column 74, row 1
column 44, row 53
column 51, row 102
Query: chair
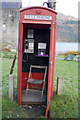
column 36, row 81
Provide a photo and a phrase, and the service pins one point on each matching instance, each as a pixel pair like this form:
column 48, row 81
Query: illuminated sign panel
column 38, row 17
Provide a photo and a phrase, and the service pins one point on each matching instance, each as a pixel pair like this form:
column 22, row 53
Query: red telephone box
column 37, row 34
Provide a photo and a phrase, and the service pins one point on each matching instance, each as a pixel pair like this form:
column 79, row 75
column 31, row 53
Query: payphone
column 29, row 46
column 31, row 38
column 37, row 33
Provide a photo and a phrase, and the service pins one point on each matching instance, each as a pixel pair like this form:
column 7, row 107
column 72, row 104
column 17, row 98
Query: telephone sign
column 39, row 17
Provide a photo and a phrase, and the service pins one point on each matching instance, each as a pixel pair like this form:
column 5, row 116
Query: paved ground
column 63, row 59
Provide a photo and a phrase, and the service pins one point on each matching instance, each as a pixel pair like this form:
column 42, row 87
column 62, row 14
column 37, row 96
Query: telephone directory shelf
column 41, row 56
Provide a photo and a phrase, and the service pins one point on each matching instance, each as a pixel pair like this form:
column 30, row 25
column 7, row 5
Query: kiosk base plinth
column 32, row 97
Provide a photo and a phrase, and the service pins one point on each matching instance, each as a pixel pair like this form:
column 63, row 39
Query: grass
column 7, row 54
column 10, row 109
column 60, row 56
column 63, row 106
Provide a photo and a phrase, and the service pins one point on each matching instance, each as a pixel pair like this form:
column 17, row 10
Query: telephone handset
column 28, row 48
column 29, row 45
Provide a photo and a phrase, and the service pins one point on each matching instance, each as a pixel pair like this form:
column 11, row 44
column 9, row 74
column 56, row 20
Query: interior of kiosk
column 36, row 42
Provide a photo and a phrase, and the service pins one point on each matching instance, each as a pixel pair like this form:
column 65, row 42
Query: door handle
column 51, row 63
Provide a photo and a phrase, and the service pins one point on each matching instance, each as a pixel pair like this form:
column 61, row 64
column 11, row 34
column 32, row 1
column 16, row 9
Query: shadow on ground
column 35, row 111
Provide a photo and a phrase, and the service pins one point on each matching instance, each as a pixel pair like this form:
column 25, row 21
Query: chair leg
column 26, row 88
column 44, row 82
column 42, row 90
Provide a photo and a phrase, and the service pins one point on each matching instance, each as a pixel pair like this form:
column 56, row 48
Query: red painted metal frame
column 19, row 83
column 44, row 11
column 51, row 67
column 53, row 58
column 36, row 22
column 38, row 7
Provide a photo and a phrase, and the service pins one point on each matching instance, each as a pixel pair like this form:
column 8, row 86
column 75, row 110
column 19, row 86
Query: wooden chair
column 36, row 81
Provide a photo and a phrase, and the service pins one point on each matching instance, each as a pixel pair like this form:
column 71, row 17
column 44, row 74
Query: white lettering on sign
column 39, row 17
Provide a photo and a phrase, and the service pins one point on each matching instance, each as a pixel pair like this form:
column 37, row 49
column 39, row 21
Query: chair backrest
column 40, row 67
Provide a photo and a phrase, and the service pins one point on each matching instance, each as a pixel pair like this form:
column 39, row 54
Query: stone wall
column 9, row 24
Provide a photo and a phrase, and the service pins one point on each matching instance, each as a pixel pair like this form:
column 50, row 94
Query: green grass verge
column 60, row 56
column 10, row 109
column 65, row 105
column 6, row 66
column 7, row 54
